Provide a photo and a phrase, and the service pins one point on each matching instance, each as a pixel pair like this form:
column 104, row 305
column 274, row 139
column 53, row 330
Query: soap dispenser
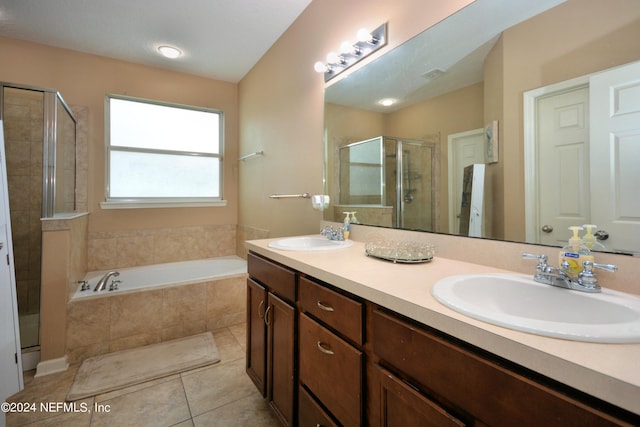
column 590, row 240
column 574, row 254
column 346, row 227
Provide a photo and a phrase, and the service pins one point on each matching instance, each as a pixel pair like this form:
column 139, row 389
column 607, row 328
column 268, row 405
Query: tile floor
column 216, row 395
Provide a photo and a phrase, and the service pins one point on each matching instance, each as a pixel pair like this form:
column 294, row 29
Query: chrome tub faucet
column 102, row 283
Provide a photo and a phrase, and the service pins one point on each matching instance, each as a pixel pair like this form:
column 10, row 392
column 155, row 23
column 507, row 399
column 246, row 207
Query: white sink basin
column 518, row 302
column 309, row 243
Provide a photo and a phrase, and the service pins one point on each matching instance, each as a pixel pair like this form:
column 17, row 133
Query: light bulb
column 320, row 67
column 349, row 49
column 364, row 35
column 334, row 58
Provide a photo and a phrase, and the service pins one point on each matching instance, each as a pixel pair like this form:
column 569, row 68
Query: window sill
column 141, row 204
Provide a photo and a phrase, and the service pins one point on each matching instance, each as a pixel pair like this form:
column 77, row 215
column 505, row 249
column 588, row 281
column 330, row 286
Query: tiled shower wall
column 24, row 119
column 119, row 249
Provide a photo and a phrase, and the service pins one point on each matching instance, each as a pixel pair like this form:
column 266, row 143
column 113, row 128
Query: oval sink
column 309, row 243
column 518, row 302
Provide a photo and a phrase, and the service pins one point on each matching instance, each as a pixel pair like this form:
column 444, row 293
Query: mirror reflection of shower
column 40, row 145
column 389, row 181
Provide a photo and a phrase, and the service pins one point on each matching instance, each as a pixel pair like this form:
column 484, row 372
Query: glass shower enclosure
column 40, row 145
column 391, row 179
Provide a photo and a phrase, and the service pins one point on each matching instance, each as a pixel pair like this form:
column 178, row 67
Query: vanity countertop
column 607, row 371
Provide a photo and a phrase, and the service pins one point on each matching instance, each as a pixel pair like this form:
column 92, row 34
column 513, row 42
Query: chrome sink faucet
column 332, row 234
column 102, row 283
column 586, row 281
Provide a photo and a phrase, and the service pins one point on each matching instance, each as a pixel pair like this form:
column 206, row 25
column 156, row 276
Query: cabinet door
column 310, row 414
column 280, row 319
column 331, row 369
column 256, row 335
column 403, row 406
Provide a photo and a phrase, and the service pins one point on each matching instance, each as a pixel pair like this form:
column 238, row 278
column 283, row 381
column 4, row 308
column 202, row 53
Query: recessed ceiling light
column 387, row 102
column 169, row 51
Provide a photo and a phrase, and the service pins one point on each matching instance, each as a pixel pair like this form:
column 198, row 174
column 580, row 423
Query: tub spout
column 102, row 283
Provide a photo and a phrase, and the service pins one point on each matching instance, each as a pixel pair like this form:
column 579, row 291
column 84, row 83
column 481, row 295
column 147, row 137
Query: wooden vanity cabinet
column 478, row 388
column 271, row 334
column 331, row 357
column 325, row 357
column 401, row 406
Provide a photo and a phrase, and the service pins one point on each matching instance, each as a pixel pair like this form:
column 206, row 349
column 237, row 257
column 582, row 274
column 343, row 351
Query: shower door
column 416, row 186
column 409, row 182
column 40, row 141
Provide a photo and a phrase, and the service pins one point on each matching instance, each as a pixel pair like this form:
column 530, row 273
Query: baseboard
column 48, row 367
column 30, row 360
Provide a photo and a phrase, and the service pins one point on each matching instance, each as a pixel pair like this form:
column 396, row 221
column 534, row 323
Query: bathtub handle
column 260, row 315
column 266, row 315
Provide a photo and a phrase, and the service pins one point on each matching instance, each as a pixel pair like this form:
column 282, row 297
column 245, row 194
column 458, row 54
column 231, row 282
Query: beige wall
column 281, row 105
column 85, row 80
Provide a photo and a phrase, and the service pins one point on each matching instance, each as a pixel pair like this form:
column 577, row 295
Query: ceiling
column 220, row 39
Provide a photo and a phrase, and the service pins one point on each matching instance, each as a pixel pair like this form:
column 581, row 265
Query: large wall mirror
column 544, row 94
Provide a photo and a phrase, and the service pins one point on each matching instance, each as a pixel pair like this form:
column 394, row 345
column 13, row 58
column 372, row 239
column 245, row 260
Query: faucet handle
column 587, row 278
column 542, row 258
column 612, row 268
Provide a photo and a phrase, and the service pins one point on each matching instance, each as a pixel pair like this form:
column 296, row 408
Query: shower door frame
column 51, row 99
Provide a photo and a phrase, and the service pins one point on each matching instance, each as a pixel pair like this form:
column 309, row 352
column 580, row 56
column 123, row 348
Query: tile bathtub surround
column 122, row 321
column 119, row 249
column 216, row 395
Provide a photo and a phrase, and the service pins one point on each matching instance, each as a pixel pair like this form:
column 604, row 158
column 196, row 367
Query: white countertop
column 610, row 372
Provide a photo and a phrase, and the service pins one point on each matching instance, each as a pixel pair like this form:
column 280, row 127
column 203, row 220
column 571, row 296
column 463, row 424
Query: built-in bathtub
column 162, row 275
column 157, row 303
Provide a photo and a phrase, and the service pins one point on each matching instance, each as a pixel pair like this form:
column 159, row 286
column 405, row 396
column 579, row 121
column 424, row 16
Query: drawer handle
column 260, row 306
column 324, row 348
column 324, row 307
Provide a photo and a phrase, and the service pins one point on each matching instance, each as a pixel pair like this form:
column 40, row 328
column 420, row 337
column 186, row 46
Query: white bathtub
column 168, row 274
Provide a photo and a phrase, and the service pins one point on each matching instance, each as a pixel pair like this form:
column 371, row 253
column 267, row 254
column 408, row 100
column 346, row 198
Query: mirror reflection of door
column 587, row 140
column 615, row 150
column 465, row 148
column 563, row 174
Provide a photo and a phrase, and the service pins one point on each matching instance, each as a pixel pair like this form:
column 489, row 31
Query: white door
column 563, row 164
column 465, row 148
column 10, row 362
column 615, row 155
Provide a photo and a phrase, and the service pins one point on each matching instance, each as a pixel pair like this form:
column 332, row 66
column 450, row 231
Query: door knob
column 601, row 235
column 547, row 229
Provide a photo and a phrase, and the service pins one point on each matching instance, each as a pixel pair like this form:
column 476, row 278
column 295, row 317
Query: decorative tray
column 404, row 252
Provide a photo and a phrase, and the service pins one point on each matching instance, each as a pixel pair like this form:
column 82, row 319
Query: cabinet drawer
column 280, row 280
column 403, row 406
column 332, row 370
column 479, row 386
column 338, row 311
column 310, row 414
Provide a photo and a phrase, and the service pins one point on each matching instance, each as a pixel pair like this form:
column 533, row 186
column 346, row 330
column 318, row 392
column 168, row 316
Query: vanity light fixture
column 169, row 52
column 351, row 53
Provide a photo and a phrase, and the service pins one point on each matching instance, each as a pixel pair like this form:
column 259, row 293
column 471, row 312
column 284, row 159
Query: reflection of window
column 162, row 152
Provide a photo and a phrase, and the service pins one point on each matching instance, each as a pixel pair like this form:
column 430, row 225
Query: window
column 162, row 154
